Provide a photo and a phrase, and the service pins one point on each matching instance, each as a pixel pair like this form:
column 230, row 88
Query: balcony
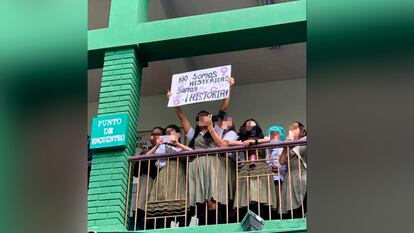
column 173, row 192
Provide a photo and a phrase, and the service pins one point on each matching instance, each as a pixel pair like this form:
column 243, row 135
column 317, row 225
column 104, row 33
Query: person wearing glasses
column 143, row 176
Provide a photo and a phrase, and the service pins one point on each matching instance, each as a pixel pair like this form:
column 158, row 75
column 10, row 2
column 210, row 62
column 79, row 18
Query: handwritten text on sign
column 200, row 86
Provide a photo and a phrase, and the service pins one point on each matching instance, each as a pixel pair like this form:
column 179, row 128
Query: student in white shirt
column 294, row 186
column 204, row 170
column 276, row 134
column 170, row 181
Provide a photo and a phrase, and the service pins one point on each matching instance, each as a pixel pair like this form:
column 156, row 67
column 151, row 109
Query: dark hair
column 301, row 127
column 160, row 128
column 223, row 116
column 175, row 128
column 205, row 112
column 207, row 136
column 242, row 129
column 256, row 132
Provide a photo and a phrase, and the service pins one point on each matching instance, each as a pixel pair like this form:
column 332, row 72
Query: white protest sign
column 200, row 86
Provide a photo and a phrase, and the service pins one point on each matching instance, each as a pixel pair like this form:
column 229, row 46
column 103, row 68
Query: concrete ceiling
column 248, row 66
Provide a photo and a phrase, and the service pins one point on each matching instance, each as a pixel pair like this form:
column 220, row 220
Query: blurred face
column 226, row 124
column 250, row 125
column 298, row 131
column 155, row 134
column 201, row 120
column 295, row 132
column 174, row 135
column 274, row 136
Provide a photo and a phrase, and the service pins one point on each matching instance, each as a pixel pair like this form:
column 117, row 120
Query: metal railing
column 220, row 186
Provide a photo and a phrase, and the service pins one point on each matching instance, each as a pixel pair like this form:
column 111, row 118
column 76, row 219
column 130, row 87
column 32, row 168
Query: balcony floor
column 291, row 225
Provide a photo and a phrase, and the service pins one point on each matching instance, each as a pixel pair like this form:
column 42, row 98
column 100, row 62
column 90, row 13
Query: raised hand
column 231, row 81
column 208, row 120
column 168, row 94
column 291, row 135
column 173, row 139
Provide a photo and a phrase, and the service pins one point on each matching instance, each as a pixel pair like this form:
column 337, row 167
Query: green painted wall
column 246, row 28
column 128, row 37
column 120, row 93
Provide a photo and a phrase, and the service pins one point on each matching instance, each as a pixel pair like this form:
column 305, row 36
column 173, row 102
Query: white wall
column 279, row 102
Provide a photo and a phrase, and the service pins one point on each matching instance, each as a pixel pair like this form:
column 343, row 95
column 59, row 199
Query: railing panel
column 218, row 185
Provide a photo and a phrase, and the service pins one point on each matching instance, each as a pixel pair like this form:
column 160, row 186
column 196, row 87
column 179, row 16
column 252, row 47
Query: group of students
column 210, row 176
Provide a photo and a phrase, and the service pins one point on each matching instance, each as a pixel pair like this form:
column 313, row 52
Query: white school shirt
column 275, row 155
column 191, row 132
column 231, row 136
column 161, row 150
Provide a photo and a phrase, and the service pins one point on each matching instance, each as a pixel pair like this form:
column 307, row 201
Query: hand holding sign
column 200, row 86
column 231, row 81
column 169, row 94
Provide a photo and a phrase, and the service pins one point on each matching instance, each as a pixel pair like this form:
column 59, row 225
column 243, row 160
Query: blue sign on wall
column 109, row 131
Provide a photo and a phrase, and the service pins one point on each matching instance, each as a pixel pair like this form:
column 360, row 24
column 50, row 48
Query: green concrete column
column 108, row 184
column 127, row 13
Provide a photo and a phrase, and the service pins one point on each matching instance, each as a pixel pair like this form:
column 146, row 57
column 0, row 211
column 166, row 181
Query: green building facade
column 125, row 48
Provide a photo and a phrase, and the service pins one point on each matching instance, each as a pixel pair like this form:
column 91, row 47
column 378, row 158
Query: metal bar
column 227, row 187
column 176, row 179
column 168, row 174
column 300, row 185
column 258, row 187
column 268, row 185
column 269, row 198
column 248, row 184
column 186, row 193
column 127, row 197
column 248, row 193
column 217, row 150
column 258, row 195
column 217, row 187
column 196, row 186
column 146, row 195
column 157, row 183
column 290, row 183
column 207, row 200
column 280, row 193
column 136, row 196
column 237, row 186
column 270, row 182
